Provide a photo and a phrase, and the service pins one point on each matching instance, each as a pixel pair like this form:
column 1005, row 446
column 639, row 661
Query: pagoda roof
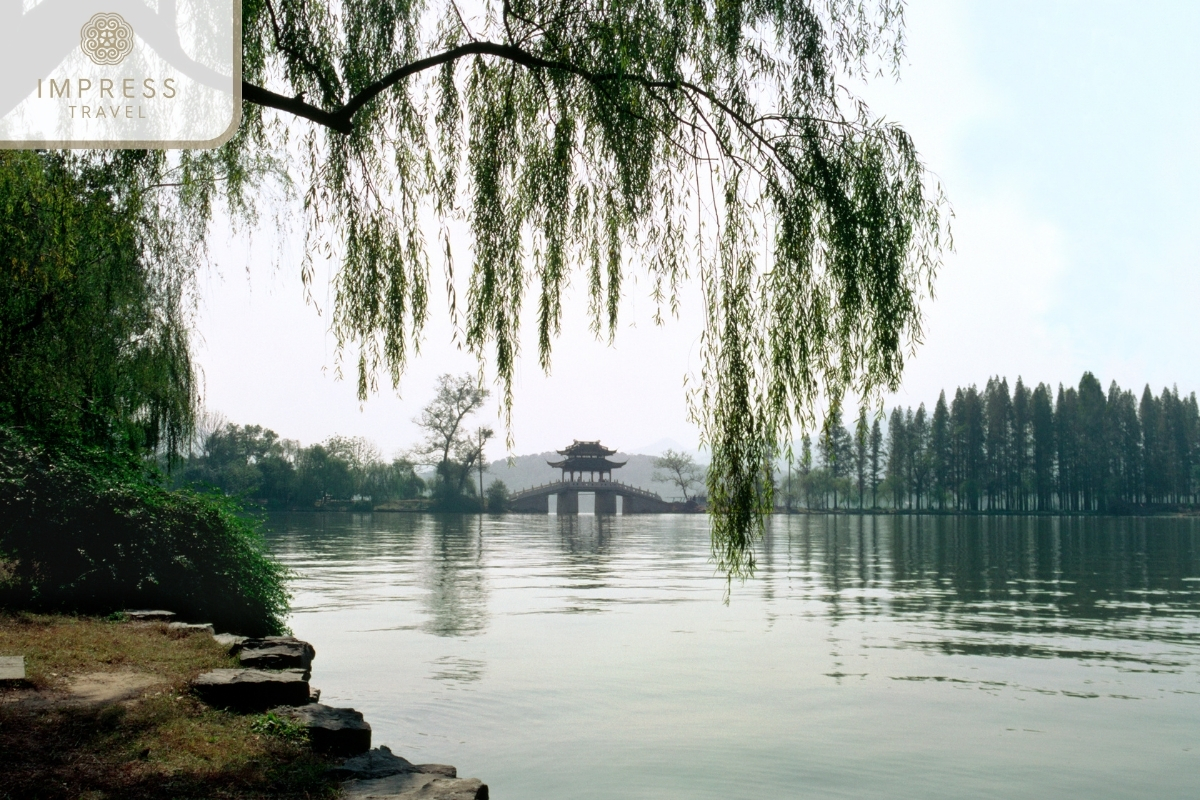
column 593, row 449
column 587, row 464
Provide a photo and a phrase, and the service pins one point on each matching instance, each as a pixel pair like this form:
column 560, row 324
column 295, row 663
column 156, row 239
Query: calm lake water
column 914, row 657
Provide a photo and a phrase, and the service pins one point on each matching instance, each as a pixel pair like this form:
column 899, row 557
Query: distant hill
column 532, row 470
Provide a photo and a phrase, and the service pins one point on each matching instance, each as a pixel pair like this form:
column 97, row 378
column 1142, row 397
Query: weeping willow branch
column 575, row 139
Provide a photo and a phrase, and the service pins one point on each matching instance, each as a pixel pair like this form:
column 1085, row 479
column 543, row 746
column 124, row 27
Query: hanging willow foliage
column 94, row 308
column 580, row 137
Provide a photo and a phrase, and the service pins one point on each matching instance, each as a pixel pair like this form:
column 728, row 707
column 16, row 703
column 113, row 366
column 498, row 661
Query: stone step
column 381, row 774
column 415, row 786
column 252, row 689
column 12, row 668
column 198, row 627
column 277, row 652
column 149, row 615
column 230, row 640
column 336, row 731
column 382, row 762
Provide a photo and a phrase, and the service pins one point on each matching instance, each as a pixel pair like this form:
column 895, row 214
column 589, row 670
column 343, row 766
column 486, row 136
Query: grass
column 161, row 744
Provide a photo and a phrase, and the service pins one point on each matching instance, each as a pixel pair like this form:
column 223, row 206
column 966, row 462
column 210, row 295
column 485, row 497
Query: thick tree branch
column 342, row 119
column 295, row 105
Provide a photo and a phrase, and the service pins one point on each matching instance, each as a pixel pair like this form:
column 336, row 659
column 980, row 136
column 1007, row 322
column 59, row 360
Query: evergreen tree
column 1020, row 478
column 1191, row 433
column 862, row 435
column 805, row 468
column 973, row 452
column 958, row 448
column 1124, row 448
column 1180, row 420
column 941, row 452
column 1083, row 450
column 919, row 459
column 877, row 455
column 1149, row 414
column 1044, row 446
column 897, row 456
column 836, row 451
column 1066, row 410
column 998, row 437
column 1091, row 449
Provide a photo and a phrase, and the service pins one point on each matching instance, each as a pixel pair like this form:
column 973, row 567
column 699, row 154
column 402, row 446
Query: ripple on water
column 870, row 657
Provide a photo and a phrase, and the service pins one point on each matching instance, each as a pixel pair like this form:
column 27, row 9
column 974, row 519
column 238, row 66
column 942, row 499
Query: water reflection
column 1000, row 586
column 454, row 577
column 1007, row 586
column 341, row 560
column 1105, row 568
column 586, row 539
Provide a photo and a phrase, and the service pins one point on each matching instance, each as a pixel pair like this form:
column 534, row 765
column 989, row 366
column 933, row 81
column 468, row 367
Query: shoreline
column 157, row 708
column 854, row 512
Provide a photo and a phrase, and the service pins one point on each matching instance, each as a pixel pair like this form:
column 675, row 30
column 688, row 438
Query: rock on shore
column 277, row 652
column 336, row 731
column 252, row 689
column 149, row 615
column 381, row 775
column 414, row 785
column 275, row 676
column 382, row 762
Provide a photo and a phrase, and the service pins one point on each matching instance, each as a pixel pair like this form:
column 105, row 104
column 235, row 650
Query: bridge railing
column 545, row 488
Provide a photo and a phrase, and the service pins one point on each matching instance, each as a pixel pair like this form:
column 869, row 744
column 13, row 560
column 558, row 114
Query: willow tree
column 683, row 139
column 93, row 304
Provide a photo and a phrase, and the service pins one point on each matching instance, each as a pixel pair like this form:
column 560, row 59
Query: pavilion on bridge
column 586, row 458
column 587, row 473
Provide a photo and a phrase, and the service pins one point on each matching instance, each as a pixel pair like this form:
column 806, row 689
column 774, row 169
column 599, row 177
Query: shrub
column 497, row 497
column 271, row 724
column 87, row 531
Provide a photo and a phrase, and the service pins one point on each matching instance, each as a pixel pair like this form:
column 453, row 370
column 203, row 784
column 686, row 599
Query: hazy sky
column 1065, row 136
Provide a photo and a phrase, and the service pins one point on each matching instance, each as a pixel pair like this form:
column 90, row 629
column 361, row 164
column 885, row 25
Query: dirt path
column 87, row 689
column 101, row 688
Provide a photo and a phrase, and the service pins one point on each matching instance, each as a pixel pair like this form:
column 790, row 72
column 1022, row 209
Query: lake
column 870, row 657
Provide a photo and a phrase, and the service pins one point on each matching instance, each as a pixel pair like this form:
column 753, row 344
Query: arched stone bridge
column 536, row 500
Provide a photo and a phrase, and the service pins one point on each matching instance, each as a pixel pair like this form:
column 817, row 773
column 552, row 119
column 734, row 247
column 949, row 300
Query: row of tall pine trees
column 1018, row 450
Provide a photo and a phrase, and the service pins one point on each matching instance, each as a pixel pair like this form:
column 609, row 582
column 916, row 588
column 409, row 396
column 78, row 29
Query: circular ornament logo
column 106, row 39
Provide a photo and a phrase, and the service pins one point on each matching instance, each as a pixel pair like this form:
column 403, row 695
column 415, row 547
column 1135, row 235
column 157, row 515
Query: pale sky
column 1065, row 136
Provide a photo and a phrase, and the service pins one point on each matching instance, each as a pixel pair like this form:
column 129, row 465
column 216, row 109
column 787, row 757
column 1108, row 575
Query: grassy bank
column 105, row 712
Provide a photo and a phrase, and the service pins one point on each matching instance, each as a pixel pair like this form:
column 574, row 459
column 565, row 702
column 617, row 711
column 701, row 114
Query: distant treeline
column 1074, row 449
column 253, row 462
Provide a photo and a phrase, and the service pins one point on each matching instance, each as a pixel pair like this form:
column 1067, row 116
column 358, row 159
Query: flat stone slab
column 414, row 785
column 251, row 689
column 382, row 762
column 277, row 652
column 230, row 640
column 12, row 668
column 198, row 627
column 149, row 615
column 337, row 731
